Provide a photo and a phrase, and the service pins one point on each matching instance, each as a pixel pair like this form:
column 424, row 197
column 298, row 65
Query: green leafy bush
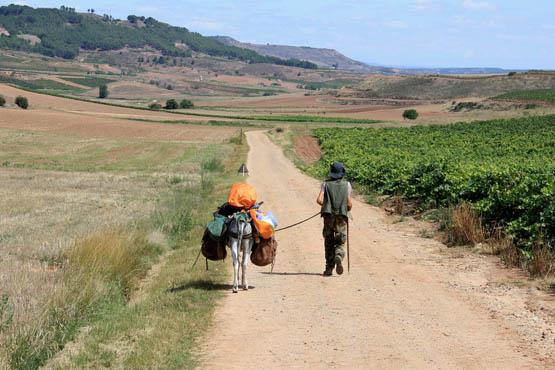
column 410, row 114
column 22, row 102
column 103, row 91
column 504, row 168
column 155, row 106
column 171, row 104
column 2, row 101
column 186, row 104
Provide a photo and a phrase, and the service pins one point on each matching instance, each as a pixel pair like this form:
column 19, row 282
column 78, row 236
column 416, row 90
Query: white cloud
column 396, row 24
column 477, row 5
column 209, row 26
column 420, row 4
column 459, row 19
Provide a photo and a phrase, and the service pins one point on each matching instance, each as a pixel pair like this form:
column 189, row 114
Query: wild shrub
column 531, row 106
column 103, row 91
column 466, row 225
column 542, row 260
column 410, row 114
column 22, row 102
column 186, row 104
column 175, row 180
column 213, row 165
column 155, row 106
column 171, row 104
column 2, row 101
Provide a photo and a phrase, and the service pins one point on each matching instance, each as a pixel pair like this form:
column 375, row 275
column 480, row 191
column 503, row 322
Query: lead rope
column 298, row 223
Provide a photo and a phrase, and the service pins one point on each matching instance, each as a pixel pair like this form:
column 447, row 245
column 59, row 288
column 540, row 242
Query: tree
column 155, row 106
column 22, row 102
column 171, row 104
column 103, row 91
column 410, row 114
column 186, row 104
column 2, row 101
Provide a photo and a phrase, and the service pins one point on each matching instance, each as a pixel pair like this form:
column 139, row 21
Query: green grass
column 41, row 84
column 160, row 325
column 547, row 95
column 21, row 149
column 89, row 81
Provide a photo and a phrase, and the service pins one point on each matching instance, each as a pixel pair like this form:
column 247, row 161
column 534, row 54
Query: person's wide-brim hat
column 337, row 171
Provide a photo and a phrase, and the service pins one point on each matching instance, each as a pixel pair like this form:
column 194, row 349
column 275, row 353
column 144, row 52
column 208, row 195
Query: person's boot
column 338, row 265
column 328, row 271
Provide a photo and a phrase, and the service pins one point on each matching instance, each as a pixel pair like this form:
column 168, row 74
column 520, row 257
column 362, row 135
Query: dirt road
column 406, row 304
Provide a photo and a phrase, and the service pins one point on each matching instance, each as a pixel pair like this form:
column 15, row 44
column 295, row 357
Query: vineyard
column 504, row 168
column 547, row 95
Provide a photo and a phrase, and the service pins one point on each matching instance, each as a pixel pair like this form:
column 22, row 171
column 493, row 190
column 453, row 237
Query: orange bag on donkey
column 242, row 195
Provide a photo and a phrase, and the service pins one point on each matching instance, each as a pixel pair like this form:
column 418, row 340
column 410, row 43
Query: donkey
column 240, row 236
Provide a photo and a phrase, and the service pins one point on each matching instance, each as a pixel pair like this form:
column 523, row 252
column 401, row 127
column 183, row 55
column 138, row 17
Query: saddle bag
column 217, row 226
column 213, row 249
column 264, row 252
column 213, row 241
column 264, row 222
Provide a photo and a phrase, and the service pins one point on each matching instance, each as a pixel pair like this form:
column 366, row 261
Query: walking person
column 335, row 199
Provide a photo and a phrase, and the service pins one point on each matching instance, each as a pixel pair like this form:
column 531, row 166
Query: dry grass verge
column 465, row 226
column 98, row 271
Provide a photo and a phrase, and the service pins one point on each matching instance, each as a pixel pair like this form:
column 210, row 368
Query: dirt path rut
column 401, row 307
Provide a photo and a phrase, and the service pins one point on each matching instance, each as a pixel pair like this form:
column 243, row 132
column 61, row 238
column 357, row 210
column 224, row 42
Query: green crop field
column 504, row 168
column 88, row 81
column 39, row 84
column 538, row 94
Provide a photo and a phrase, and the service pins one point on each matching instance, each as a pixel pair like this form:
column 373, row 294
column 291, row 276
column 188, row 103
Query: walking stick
column 348, row 254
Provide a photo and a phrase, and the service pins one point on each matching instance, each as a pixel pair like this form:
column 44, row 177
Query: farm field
column 76, row 172
column 67, row 179
column 479, row 162
column 547, row 95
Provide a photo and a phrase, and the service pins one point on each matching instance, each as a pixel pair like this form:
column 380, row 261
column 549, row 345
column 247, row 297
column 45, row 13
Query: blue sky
column 428, row 33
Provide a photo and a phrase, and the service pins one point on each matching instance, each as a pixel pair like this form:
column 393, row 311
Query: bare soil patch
column 307, row 149
column 280, row 101
column 33, row 40
column 136, row 90
column 40, row 120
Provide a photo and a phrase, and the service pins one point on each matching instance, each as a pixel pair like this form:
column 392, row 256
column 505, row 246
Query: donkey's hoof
column 246, row 287
column 235, row 290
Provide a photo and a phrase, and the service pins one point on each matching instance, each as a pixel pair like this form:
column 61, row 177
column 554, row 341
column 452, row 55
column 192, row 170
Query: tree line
column 63, row 32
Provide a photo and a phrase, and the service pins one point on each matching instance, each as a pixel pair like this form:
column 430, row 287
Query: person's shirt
column 349, row 187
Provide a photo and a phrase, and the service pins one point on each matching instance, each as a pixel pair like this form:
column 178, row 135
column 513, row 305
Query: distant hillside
column 329, row 58
column 324, row 58
column 451, row 87
column 63, row 32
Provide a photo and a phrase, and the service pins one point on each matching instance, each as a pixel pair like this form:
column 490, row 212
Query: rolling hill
column 64, row 32
column 324, row 58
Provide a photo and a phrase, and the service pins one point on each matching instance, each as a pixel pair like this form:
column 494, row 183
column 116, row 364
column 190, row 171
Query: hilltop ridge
column 64, row 32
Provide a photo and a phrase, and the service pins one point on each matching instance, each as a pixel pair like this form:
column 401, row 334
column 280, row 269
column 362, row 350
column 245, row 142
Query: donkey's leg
column 247, row 245
column 234, row 245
